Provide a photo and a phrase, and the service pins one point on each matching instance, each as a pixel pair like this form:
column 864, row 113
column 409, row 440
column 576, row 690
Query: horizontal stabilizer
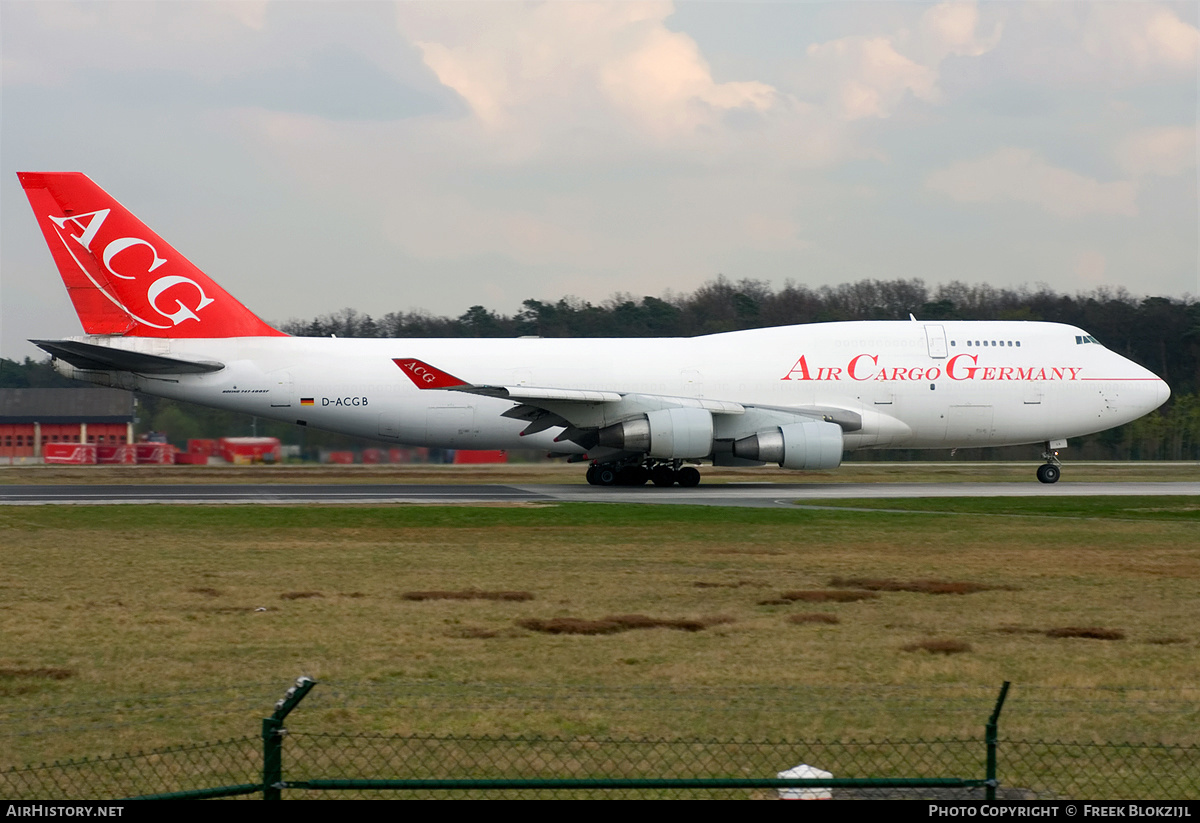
column 106, row 358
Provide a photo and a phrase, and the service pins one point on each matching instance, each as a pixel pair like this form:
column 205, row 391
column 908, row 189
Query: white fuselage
column 914, row 384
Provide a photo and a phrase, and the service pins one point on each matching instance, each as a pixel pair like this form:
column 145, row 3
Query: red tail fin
column 123, row 278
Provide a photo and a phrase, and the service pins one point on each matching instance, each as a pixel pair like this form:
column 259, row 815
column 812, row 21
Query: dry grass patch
column 1018, row 630
column 1166, row 641
column 614, row 624
column 700, row 584
column 814, row 617
column 40, row 673
column 918, row 586
column 207, row 591
column 299, row 595
column 468, row 594
column 570, row 625
column 1087, row 632
column 938, row 646
column 822, row 596
column 472, row 633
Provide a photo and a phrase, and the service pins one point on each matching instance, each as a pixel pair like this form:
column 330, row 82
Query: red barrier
column 78, row 453
column 155, row 453
column 480, row 456
column 251, row 449
column 124, row 454
column 204, row 447
column 189, row 459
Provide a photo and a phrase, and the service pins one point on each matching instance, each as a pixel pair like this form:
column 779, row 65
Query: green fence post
column 991, row 735
column 272, row 737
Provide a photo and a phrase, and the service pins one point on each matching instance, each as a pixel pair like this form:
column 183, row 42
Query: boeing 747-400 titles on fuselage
column 635, row 410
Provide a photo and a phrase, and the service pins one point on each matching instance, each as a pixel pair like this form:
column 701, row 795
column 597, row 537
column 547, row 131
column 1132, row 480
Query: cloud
column 871, row 76
column 563, row 63
column 953, row 29
column 209, row 40
column 1165, row 151
column 1016, row 175
column 664, row 83
column 1140, row 39
column 1105, row 45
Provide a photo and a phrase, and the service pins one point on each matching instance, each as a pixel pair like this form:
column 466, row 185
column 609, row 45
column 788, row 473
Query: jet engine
column 813, row 444
column 675, row 433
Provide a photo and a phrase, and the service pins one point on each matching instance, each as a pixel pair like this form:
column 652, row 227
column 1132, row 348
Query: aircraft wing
column 583, row 412
column 425, row 376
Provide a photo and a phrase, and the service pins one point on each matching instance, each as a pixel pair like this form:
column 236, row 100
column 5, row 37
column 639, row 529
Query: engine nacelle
column 675, row 433
column 813, row 444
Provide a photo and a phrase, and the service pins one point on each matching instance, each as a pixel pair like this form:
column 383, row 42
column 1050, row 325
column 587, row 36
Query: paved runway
column 716, row 494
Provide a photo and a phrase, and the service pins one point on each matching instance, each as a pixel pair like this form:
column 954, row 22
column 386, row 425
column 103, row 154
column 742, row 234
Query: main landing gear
column 638, row 474
column 1051, row 470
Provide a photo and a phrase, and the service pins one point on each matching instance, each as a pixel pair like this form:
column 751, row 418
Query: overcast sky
column 392, row 156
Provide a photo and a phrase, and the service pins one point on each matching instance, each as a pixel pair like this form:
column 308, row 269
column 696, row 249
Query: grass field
column 682, row 612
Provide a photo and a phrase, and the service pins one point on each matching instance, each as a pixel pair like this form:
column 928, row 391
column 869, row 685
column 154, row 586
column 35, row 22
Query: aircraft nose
column 1163, row 393
column 1151, row 393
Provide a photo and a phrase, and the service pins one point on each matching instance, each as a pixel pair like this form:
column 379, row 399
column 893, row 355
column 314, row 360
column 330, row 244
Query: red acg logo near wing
column 864, row 367
column 425, row 376
column 160, row 299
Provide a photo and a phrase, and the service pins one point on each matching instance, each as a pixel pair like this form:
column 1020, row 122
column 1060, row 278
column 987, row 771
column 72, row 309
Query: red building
column 33, row 418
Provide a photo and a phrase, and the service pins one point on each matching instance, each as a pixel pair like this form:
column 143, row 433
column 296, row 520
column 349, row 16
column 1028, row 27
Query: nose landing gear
column 1048, row 473
column 1051, row 470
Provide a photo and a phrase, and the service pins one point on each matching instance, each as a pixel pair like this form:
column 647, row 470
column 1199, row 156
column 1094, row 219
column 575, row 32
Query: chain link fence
column 306, row 763
column 606, row 767
column 193, row 768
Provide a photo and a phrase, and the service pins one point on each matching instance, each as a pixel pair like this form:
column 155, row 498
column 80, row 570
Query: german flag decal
column 306, row 401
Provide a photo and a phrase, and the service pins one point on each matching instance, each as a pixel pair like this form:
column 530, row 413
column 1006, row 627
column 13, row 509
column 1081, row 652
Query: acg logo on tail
column 122, row 260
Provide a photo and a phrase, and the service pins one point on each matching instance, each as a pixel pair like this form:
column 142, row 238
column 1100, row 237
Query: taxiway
column 770, row 495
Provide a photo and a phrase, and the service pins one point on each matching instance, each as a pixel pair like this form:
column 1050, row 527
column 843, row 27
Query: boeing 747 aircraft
column 635, row 410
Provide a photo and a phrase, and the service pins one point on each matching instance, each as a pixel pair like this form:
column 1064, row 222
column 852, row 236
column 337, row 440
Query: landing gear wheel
column 662, row 476
column 606, row 476
column 591, row 476
column 1048, row 473
column 688, row 477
